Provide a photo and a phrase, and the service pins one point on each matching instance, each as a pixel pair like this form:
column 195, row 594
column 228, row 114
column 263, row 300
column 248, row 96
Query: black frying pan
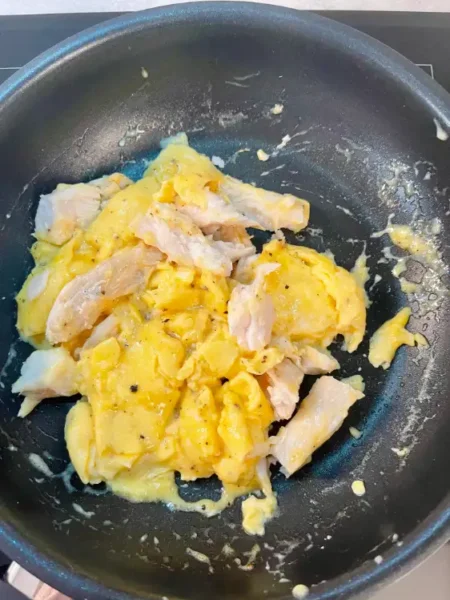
column 364, row 119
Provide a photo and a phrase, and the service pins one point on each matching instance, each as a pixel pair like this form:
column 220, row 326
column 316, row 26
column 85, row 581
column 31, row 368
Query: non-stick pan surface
column 362, row 145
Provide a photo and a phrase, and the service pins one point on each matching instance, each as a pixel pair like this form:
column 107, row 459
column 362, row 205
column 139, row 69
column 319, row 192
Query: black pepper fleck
column 134, row 388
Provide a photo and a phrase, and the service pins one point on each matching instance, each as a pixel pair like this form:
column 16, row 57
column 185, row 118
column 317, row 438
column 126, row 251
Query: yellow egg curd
column 172, row 392
column 390, row 336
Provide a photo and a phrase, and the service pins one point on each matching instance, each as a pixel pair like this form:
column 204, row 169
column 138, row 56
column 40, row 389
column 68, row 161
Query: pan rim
column 433, row 531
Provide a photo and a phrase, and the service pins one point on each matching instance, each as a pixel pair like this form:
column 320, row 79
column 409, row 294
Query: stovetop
column 424, row 38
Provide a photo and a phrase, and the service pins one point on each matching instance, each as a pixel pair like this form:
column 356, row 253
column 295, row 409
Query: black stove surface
column 424, row 38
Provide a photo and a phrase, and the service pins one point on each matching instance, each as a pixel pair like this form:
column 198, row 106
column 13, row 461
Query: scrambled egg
column 62, row 265
column 390, row 336
column 315, row 300
column 172, row 391
column 406, row 239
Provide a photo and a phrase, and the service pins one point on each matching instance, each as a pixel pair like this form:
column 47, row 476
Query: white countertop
column 11, row 7
column 429, row 581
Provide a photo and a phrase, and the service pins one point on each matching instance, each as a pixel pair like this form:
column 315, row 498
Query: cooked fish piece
column 218, row 211
column 109, row 327
column 64, row 210
column 232, row 233
column 270, row 210
column 251, row 313
column 109, row 185
column 176, row 235
column 309, row 359
column 38, row 284
column 233, row 241
column 83, row 300
column 314, row 362
column 281, row 385
column 320, row 415
column 242, row 271
column 234, row 250
column 71, row 206
column 45, row 374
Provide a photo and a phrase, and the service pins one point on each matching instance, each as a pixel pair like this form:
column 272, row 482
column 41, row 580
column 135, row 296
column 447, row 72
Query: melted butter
column 390, row 336
column 400, row 267
column 408, row 286
column 419, row 241
column 413, row 242
column 406, row 239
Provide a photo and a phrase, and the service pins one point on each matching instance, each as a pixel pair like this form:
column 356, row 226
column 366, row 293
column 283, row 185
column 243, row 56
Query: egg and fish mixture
column 150, row 300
